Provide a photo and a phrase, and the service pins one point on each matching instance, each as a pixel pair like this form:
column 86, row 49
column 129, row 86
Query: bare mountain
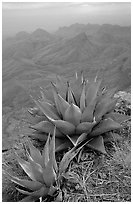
column 118, row 71
column 75, row 29
column 30, row 60
column 113, row 51
column 93, row 30
column 116, row 30
column 76, row 49
column 41, row 34
column 22, row 35
column 23, row 45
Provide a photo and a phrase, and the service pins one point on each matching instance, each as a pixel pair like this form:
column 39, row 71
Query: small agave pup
column 45, row 176
column 76, row 108
column 42, row 170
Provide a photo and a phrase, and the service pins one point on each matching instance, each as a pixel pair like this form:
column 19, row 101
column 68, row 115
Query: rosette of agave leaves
column 76, row 107
column 43, row 172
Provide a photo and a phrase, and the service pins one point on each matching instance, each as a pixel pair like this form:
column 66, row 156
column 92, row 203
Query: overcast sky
column 50, row 16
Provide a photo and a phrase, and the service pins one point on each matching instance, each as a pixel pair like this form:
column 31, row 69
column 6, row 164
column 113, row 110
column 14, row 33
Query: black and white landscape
column 31, row 58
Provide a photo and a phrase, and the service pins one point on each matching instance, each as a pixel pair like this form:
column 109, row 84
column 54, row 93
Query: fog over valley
column 50, row 16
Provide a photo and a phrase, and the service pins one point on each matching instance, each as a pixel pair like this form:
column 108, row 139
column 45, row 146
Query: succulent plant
column 41, row 169
column 45, row 176
column 76, row 107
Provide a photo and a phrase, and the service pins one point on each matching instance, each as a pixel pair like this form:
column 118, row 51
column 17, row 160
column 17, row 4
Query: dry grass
column 98, row 178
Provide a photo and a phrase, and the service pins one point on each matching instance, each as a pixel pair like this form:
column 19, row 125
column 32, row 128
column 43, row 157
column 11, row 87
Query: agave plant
column 45, row 176
column 41, row 169
column 76, row 107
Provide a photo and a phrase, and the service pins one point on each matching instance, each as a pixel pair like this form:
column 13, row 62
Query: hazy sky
column 50, row 16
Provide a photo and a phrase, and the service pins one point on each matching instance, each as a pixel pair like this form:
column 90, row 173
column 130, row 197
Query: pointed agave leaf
column 39, row 193
column 28, row 199
column 83, row 98
column 51, row 108
column 43, row 97
column 36, row 168
column 66, row 160
column 32, row 185
column 26, row 166
column 78, row 81
column 47, row 109
column 42, row 126
column 85, row 127
column 60, row 102
column 88, row 113
column 96, row 77
column 76, row 140
column 52, row 151
column 92, row 91
column 73, row 114
column 56, row 99
column 79, row 155
column 77, row 103
column 70, row 95
column 25, row 192
column 33, row 120
column 63, row 104
column 64, row 126
column 77, row 90
column 106, row 94
column 35, row 111
column 62, row 144
column 48, row 95
column 97, row 144
column 71, row 140
column 109, row 136
column 82, row 76
column 69, row 156
column 60, row 85
column 81, row 138
column 105, row 125
column 46, row 127
column 45, row 152
column 35, row 153
column 77, row 87
column 49, row 175
column 76, row 75
column 105, row 106
column 120, row 118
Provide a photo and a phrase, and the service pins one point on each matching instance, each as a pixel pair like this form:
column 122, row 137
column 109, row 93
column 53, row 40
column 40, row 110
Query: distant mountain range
column 25, row 44
column 30, row 60
column 76, row 49
column 93, row 29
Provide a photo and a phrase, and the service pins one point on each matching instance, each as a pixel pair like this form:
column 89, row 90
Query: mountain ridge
column 31, row 60
column 91, row 29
